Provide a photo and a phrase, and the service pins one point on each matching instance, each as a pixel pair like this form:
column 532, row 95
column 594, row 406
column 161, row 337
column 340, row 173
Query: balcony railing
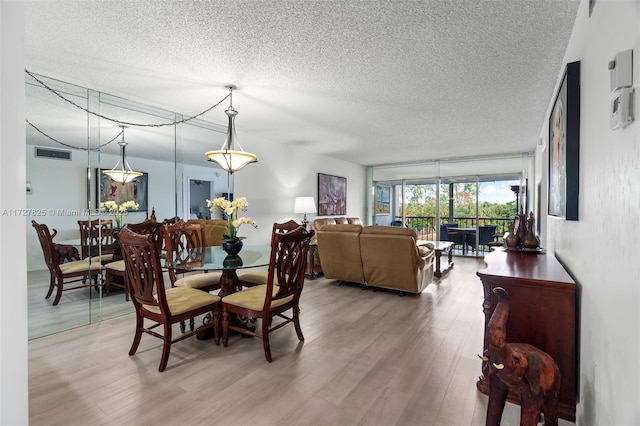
column 425, row 226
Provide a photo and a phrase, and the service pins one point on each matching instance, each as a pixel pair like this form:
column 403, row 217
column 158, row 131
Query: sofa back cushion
column 390, row 258
column 321, row 221
column 214, row 230
column 339, row 250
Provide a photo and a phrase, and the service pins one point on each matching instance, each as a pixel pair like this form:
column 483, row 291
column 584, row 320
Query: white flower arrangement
column 230, row 208
column 117, row 210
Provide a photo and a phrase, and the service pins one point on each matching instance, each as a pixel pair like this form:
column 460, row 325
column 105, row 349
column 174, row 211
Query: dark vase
column 530, row 240
column 511, row 240
column 232, row 247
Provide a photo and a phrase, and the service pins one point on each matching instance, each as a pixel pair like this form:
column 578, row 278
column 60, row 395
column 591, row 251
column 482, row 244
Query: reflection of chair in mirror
column 153, row 302
column 96, row 237
column 286, row 272
column 59, row 272
column 253, row 278
column 114, row 271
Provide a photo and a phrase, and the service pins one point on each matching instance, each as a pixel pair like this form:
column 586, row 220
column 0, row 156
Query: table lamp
column 304, row 205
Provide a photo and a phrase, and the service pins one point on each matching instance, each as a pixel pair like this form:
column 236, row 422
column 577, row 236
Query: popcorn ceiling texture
column 371, row 82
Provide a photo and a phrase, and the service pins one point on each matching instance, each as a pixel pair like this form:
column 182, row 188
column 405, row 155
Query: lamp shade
column 123, row 174
column 304, row 205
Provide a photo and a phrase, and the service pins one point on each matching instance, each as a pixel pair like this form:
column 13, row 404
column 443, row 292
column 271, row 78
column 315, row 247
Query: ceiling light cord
column 172, row 123
column 71, row 146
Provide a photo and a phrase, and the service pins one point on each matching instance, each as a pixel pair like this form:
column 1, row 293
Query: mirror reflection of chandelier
column 125, row 173
column 231, row 157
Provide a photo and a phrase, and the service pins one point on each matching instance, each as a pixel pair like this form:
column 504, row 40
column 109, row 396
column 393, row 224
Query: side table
column 314, row 269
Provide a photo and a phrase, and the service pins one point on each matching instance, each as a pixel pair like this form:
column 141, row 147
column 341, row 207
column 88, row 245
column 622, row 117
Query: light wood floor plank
column 369, row 358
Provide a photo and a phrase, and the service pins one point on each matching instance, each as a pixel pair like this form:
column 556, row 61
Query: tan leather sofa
column 214, row 229
column 376, row 256
column 321, row 221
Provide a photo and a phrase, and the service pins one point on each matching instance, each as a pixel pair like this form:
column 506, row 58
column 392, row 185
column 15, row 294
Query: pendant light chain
column 71, row 146
column 172, row 123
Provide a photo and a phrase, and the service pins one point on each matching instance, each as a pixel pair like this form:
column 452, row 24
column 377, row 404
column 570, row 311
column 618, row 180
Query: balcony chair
column 152, row 301
column 486, row 235
column 114, row 271
column 60, row 272
column 444, row 230
column 281, row 293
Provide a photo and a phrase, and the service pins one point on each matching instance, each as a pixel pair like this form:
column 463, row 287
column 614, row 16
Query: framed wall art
column 332, row 195
column 110, row 190
column 564, row 146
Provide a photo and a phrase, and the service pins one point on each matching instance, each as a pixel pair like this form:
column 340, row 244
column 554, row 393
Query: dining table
column 214, row 258
column 68, row 249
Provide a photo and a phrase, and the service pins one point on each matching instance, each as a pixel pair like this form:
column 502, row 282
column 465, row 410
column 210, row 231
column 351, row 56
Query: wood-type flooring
column 369, row 358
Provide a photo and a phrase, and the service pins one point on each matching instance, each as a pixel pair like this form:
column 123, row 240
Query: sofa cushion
column 339, row 250
column 214, row 230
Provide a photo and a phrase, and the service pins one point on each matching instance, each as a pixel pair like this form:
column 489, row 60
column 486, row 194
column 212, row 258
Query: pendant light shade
column 231, row 157
column 123, row 174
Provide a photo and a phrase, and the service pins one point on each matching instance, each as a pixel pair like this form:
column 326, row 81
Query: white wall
column 13, row 277
column 601, row 249
column 272, row 184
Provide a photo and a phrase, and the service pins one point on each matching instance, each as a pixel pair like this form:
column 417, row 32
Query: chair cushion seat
column 254, row 277
column 103, row 258
column 199, row 280
column 79, row 266
column 117, row 266
column 181, row 300
column 253, row 298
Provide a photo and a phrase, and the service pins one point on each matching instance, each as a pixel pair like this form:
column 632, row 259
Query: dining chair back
column 115, row 271
column 252, row 278
column 96, row 237
column 185, row 244
column 285, row 280
column 164, row 307
column 60, row 272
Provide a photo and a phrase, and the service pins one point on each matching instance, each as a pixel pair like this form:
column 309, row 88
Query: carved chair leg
column 265, row 338
column 225, row 328
column 166, row 347
column 138, row 335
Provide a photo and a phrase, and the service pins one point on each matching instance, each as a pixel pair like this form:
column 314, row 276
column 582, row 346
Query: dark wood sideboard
column 543, row 302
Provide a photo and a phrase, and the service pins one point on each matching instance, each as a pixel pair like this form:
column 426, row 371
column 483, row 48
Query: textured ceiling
column 371, row 82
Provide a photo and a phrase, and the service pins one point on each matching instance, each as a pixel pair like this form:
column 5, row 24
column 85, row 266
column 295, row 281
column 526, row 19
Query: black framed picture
column 564, row 146
column 110, row 190
column 332, row 195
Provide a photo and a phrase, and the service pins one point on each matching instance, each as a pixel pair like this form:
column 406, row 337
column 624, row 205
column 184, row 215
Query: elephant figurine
column 520, row 368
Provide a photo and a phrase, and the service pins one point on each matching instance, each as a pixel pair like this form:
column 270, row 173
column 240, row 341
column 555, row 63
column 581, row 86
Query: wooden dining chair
column 252, row 278
column 61, row 272
column 282, row 292
column 164, row 307
column 97, row 240
column 115, row 271
column 185, row 243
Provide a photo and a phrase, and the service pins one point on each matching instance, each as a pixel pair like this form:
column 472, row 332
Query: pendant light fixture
column 231, row 157
column 123, row 174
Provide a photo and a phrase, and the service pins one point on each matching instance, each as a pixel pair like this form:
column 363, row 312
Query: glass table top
column 214, row 258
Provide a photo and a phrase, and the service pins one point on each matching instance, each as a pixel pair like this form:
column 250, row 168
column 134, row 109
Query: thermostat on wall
column 621, row 108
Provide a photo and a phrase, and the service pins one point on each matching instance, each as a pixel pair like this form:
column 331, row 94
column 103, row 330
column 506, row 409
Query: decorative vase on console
column 530, row 241
column 511, row 240
column 521, row 227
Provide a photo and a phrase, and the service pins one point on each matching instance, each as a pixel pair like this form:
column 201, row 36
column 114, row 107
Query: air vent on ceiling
column 53, row 153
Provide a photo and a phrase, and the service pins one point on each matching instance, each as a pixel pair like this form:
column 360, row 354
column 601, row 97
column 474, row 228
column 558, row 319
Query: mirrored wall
column 73, row 134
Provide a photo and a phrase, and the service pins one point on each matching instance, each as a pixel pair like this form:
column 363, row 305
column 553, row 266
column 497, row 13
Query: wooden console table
column 543, row 313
